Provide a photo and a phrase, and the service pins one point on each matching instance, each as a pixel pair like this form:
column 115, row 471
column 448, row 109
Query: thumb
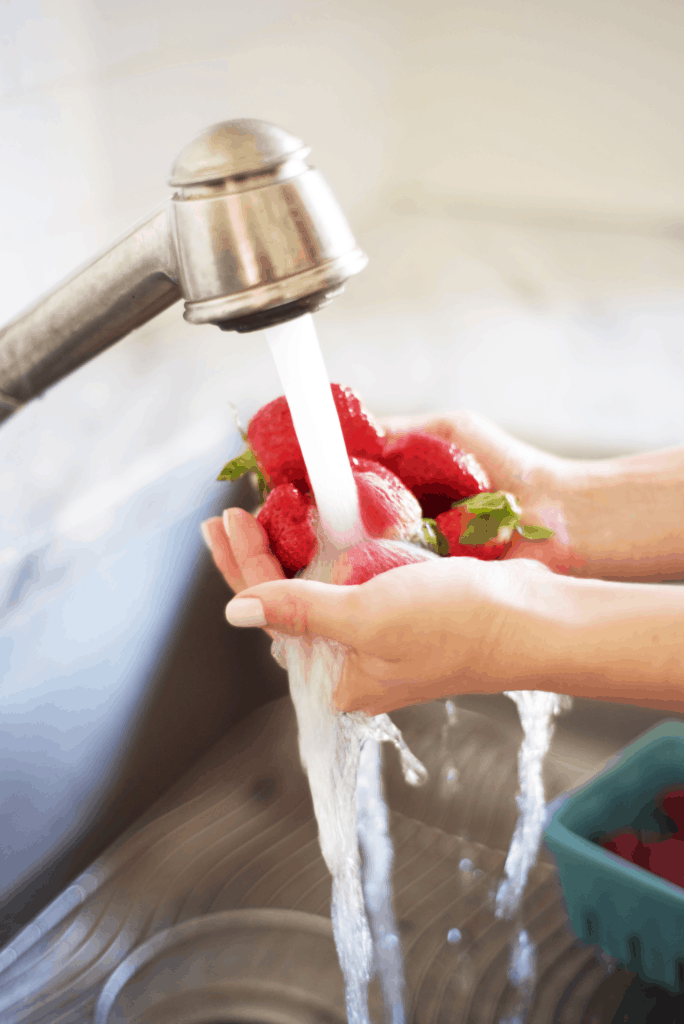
column 300, row 608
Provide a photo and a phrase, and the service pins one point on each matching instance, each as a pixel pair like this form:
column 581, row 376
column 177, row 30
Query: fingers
column 240, row 550
column 250, row 550
column 513, row 464
column 243, row 558
column 431, row 423
column 300, row 608
column 217, row 541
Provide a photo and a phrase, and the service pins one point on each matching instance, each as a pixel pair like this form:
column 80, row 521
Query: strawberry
column 364, row 438
column 436, row 471
column 272, row 439
column 388, row 509
column 666, row 859
column 482, row 526
column 274, row 450
column 289, row 519
column 363, row 562
column 628, row 845
column 673, row 805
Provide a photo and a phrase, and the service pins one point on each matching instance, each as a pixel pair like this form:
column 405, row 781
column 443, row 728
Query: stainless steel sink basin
column 189, row 915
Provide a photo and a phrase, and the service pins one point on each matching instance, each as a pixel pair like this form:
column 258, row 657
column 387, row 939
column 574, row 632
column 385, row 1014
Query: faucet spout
column 119, row 289
column 253, row 236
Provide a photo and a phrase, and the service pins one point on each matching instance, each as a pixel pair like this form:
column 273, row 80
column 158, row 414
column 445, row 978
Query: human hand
column 421, row 631
column 540, row 481
column 239, row 547
column 616, row 518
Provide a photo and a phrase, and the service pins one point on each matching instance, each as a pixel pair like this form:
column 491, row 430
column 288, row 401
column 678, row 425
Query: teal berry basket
column 632, row 914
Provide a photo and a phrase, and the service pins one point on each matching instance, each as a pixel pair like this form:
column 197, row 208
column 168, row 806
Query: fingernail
column 207, row 536
column 245, row 611
column 226, row 523
column 234, row 534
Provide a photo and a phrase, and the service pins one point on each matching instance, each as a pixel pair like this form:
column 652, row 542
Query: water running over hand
column 331, row 744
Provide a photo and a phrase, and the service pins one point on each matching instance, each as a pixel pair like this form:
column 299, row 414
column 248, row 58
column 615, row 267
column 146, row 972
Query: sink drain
column 237, row 967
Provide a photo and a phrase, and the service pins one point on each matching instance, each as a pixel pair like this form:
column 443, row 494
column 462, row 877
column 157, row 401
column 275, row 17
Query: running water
column 522, row 973
column 297, row 354
column 378, row 854
column 537, row 711
column 330, row 744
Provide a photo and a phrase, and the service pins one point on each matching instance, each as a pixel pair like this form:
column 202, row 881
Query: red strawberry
column 289, row 518
column 436, row 471
column 673, row 805
column 274, row 448
column 388, row 509
column 482, row 526
column 666, row 859
column 367, row 560
column 363, row 436
column 629, row 846
column 271, row 437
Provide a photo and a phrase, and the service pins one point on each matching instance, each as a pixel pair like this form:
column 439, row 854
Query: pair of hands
column 422, row 631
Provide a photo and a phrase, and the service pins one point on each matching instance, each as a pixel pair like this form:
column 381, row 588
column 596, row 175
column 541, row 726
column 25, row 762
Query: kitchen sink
column 214, row 904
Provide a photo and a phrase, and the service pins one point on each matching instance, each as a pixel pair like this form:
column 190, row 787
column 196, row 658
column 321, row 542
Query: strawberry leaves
column 245, row 463
column 534, row 532
column 491, row 512
column 237, row 467
column 434, row 538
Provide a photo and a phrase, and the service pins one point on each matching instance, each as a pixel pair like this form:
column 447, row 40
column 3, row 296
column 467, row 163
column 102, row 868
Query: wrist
column 527, row 649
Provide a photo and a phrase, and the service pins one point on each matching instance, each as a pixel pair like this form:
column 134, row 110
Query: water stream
column 537, row 710
column 344, row 776
column 297, row 354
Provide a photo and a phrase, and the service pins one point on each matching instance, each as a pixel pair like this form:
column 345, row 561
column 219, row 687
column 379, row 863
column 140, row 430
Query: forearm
column 624, row 516
column 615, row 641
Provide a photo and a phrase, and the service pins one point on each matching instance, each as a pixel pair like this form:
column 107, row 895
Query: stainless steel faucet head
column 259, row 236
column 252, row 236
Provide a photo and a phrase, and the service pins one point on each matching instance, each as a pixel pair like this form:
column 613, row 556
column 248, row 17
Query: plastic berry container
column 632, row 914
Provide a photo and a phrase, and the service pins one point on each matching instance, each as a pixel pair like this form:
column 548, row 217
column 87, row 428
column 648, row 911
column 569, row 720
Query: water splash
column 330, row 747
column 377, row 856
column 522, row 973
column 537, row 710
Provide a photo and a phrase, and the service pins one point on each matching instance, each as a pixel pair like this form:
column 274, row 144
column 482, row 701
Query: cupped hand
column 540, row 481
column 420, row 631
column 424, row 631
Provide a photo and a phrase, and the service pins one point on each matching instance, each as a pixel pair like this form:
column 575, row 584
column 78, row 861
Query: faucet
column 252, row 237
